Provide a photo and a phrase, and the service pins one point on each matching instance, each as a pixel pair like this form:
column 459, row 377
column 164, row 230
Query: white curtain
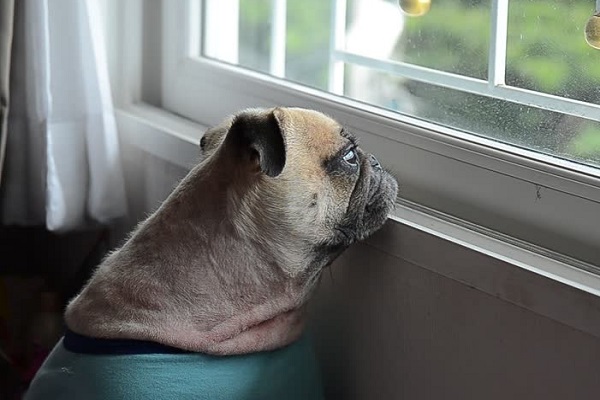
column 62, row 161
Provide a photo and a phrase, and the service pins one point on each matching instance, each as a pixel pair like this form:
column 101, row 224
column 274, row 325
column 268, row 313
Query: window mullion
column 278, row 38
column 337, row 42
column 498, row 37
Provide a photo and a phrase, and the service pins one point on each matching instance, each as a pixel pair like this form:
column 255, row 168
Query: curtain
column 6, row 38
column 62, row 157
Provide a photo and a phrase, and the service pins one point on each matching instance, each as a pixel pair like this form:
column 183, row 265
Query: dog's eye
column 351, row 157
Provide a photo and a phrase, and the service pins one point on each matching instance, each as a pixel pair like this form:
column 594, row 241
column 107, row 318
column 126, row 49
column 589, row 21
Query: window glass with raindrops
column 520, row 72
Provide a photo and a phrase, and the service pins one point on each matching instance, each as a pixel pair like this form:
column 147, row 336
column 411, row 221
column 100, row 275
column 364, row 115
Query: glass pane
column 306, row 29
column 255, row 34
column 307, row 53
column 453, row 36
column 547, row 51
column 545, row 131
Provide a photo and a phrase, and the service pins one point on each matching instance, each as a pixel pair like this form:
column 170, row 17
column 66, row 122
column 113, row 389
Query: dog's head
column 306, row 178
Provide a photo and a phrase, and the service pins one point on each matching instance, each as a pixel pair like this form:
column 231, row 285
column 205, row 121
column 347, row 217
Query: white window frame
column 547, row 209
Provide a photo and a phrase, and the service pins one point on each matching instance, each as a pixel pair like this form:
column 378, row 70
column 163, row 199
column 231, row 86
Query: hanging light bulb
column 592, row 30
column 415, row 8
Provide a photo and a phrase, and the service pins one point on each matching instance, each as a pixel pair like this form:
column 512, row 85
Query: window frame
column 553, row 199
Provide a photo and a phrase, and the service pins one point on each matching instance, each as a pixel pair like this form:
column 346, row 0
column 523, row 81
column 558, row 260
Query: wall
column 403, row 317
column 388, row 328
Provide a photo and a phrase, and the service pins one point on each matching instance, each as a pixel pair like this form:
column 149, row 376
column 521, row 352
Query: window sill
column 549, row 284
column 160, row 133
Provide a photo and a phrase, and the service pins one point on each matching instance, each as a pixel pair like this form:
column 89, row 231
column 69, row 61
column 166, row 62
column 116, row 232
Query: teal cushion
column 287, row 373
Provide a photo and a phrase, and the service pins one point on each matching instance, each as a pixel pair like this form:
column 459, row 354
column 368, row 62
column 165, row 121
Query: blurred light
column 415, row 8
column 592, row 30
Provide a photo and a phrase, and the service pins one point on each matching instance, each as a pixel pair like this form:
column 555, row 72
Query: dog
column 207, row 296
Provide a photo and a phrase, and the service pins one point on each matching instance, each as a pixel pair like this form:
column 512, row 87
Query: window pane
column 254, row 34
column 453, row 36
column 306, row 28
column 546, row 53
column 528, row 127
column 307, row 53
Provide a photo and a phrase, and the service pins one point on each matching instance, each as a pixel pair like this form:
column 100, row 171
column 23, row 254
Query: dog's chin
column 279, row 331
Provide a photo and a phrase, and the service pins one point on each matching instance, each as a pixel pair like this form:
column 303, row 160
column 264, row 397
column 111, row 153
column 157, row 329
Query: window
column 487, row 110
column 521, row 73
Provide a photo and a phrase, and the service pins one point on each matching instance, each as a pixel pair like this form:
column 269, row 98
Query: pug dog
column 207, row 297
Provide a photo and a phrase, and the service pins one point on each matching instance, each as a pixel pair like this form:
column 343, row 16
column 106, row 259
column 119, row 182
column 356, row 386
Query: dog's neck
column 189, row 277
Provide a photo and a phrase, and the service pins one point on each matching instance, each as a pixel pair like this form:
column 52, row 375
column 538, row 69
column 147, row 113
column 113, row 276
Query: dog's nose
column 374, row 163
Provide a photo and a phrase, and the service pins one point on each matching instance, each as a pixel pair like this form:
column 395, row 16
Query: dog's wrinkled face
column 329, row 193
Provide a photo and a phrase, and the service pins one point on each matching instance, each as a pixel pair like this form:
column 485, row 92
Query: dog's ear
column 261, row 135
